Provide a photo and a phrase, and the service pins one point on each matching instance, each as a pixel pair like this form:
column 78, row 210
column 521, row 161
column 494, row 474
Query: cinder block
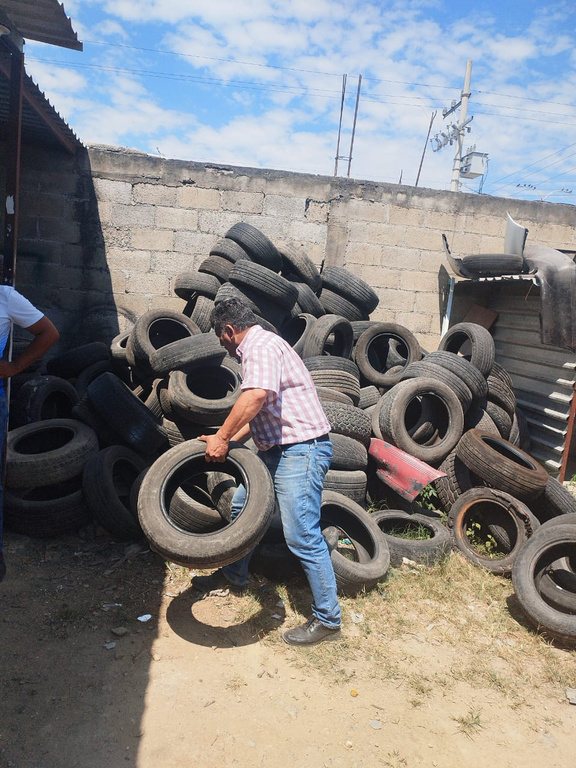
column 175, row 218
column 243, row 202
column 406, row 217
column 368, row 210
column 218, row 222
column 129, row 260
column 445, row 222
column 487, row 225
column 154, row 194
column 396, row 300
column 386, row 234
column 415, row 321
column 167, row 302
column 147, row 283
column 112, row 191
column 43, row 205
column 153, row 239
column 427, row 303
column 119, row 280
column 131, row 216
column 465, row 242
column 378, row 277
column 284, row 206
column 172, row 263
column 308, row 231
column 491, row 244
column 317, row 211
column 367, row 254
column 417, row 281
column 192, row 243
column 423, row 239
column 61, row 230
column 194, row 197
column 131, row 306
column 431, row 261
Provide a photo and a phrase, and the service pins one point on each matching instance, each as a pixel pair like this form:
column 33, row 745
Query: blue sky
column 259, row 84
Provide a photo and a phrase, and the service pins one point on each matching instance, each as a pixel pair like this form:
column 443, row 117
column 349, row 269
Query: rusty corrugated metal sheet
column 543, row 375
column 42, row 20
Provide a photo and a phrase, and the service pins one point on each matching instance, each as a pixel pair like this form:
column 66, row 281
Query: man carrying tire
column 14, row 308
column 279, row 407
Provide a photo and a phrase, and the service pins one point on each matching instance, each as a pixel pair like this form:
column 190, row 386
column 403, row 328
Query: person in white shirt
column 15, row 308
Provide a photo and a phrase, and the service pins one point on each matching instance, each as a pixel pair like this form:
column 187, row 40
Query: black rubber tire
column 83, row 411
column 193, row 351
column 448, row 418
column 360, row 326
column 217, row 267
column 188, row 284
column 329, row 330
column 193, row 516
column 48, row 511
column 204, row 394
column 258, row 303
column 89, row 374
column 229, row 250
column 502, row 465
column 393, row 523
column 348, row 454
column 499, row 372
column 500, row 417
column 372, row 350
column 217, row 548
column 296, row 263
column 107, row 481
column 353, row 577
column 351, row 287
column 125, row 415
column 178, row 430
column 154, row 330
column 334, row 304
column 255, row 277
column 329, row 395
column 471, row 340
column 458, row 480
column 338, row 380
column 350, row 483
column 297, row 329
column 519, row 433
column 492, row 264
column 463, row 368
column 201, row 313
column 221, row 488
column 260, row 249
column 48, row 452
column 158, row 395
column 118, row 347
column 349, row 420
column 503, row 395
column 41, row 398
column 476, row 417
column 307, row 299
column 332, row 363
column 69, row 364
column 430, row 370
column 369, row 396
column 487, row 510
column 555, row 502
column 546, row 546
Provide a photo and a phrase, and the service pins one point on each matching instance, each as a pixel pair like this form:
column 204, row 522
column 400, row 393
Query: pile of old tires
column 146, row 397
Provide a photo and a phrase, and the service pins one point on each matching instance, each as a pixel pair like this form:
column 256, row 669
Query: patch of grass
column 470, row 723
column 482, row 541
column 236, row 683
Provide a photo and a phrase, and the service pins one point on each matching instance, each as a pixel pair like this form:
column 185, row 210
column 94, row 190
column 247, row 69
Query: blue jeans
column 3, row 426
column 298, row 472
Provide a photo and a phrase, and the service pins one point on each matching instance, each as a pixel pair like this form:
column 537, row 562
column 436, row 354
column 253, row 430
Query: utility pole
column 425, row 147
column 455, row 184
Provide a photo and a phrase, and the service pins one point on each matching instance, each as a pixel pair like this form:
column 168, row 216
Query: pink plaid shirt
column 291, row 412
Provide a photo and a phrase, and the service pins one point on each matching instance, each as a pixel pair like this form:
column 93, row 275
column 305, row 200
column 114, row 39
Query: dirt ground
column 86, row 684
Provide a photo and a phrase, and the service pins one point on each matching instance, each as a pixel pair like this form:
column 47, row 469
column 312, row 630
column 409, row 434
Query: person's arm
column 45, row 335
column 245, row 408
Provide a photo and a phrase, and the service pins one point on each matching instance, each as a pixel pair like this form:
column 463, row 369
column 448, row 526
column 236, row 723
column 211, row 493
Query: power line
column 541, row 160
column 526, row 98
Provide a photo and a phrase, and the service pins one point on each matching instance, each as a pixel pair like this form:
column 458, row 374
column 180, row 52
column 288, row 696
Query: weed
column 235, row 683
column 481, row 541
column 470, row 723
column 428, row 498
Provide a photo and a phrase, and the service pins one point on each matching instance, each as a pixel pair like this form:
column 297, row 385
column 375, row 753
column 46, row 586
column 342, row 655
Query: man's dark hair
column 232, row 312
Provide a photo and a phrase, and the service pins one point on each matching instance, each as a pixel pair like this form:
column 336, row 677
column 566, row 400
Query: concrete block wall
column 109, row 231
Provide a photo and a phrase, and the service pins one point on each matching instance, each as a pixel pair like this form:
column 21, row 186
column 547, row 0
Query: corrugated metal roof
column 41, row 124
column 42, row 20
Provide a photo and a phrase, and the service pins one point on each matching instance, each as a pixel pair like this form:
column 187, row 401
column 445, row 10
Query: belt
column 312, row 440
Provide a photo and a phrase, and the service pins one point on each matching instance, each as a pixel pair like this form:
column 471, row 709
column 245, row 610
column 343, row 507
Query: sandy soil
column 85, row 684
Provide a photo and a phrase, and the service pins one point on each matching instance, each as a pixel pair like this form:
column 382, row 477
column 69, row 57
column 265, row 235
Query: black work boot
column 311, row 633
